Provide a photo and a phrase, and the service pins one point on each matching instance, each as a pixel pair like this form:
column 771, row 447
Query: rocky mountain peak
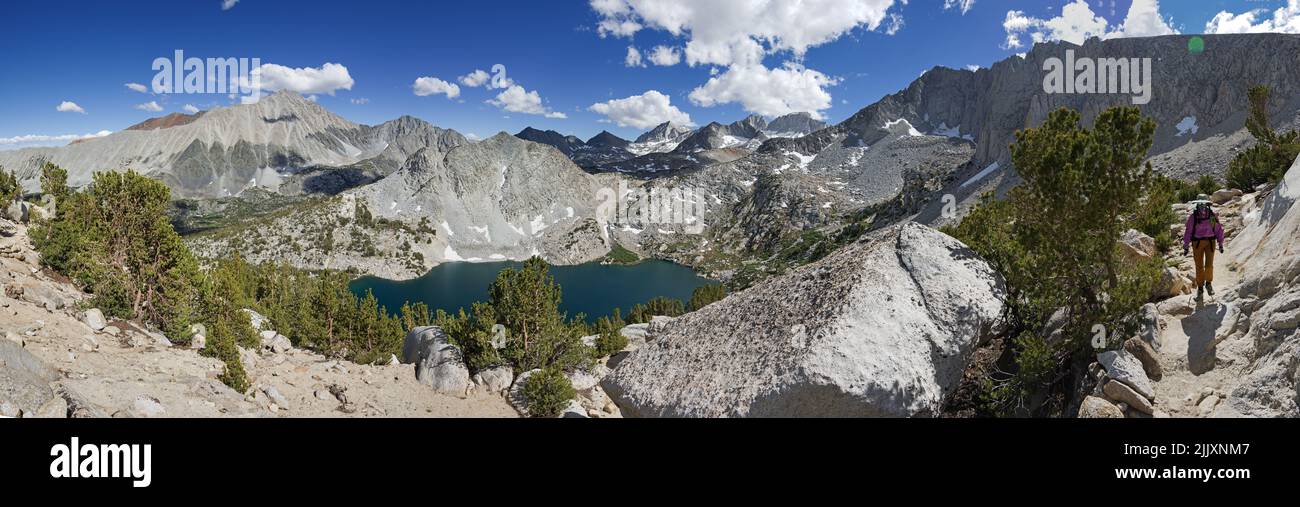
column 607, row 140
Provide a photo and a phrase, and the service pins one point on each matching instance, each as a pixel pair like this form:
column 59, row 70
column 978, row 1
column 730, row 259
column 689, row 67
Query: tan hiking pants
column 1203, row 257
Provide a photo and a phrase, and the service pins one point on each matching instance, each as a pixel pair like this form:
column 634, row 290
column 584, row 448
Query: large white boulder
column 883, row 327
column 438, row 363
column 1268, row 250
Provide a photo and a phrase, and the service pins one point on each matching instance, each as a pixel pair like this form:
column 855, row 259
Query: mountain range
column 775, row 186
column 672, row 147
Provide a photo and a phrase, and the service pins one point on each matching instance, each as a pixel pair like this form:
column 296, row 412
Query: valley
column 833, row 241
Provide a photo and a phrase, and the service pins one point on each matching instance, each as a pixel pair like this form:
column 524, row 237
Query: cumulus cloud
column 360, row 101
column 726, row 32
column 228, row 4
column 739, row 34
column 633, row 58
column 426, row 86
column 474, row 79
column 1144, row 20
column 189, row 108
column 325, row 79
column 769, row 92
column 1285, row 19
column 38, row 139
column 137, row 87
column 516, row 99
column 1078, row 22
column 151, row 106
column 643, row 111
column 68, row 106
column 665, row 56
column 963, row 5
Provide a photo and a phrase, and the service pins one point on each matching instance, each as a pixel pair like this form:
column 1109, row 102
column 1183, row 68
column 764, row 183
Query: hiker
column 1203, row 229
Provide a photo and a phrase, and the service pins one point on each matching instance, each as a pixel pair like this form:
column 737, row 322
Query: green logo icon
column 1196, row 45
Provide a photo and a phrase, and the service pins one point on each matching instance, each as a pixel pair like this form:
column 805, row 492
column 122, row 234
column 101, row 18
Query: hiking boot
column 1200, row 293
column 1209, row 287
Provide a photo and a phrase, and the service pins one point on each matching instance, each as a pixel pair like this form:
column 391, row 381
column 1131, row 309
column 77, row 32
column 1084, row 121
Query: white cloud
column 137, row 87
column 326, row 79
column 769, row 92
column 475, row 79
column 642, row 111
column 1143, row 20
column 516, row 99
column 151, row 106
column 426, row 86
column 726, row 32
column 895, row 24
column 189, row 108
column 1078, row 22
column 1285, row 19
column 665, row 56
column 228, row 4
column 972, row 67
column 633, row 58
column 739, row 34
column 963, row 5
column 37, row 139
column 68, row 106
column 361, row 101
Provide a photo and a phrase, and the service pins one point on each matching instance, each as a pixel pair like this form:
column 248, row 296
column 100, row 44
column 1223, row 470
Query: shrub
column 609, row 340
column 641, row 313
column 704, row 295
column 54, row 182
column 114, row 239
column 1056, row 237
column 1155, row 213
column 548, row 392
column 1273, row 153
column 10, row 189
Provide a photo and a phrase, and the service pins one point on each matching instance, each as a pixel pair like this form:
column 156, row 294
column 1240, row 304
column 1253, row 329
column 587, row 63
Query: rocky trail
column 1235, row 354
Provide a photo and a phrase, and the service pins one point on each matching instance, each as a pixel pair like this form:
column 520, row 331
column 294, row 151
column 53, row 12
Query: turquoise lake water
column 593, row 289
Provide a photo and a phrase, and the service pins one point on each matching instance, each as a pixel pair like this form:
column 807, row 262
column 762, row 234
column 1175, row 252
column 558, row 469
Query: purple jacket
column 1207, row 227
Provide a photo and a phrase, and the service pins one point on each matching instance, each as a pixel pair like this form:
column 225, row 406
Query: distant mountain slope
column 226, row 150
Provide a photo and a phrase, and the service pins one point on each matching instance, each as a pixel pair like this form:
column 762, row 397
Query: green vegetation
column 1273, row 152
column 1056, row 241
column 641, row 313
column 548, row 392
column 705, row 294
column 609, row 340
column 619, row 255
column 113, row 239
column 54, row 182
column 523, row 315
column 10, row 190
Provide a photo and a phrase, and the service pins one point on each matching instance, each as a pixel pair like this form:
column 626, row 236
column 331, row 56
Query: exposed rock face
column 883, row 327
column 24, row 379
column 438, row 363
column 1269, row 301
column 227, row 150
column 499, row 198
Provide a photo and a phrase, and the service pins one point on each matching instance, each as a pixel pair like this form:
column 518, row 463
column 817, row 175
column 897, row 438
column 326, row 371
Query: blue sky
column 571, row 54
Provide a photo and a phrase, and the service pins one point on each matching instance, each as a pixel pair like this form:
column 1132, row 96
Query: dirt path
column 1201, row 356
